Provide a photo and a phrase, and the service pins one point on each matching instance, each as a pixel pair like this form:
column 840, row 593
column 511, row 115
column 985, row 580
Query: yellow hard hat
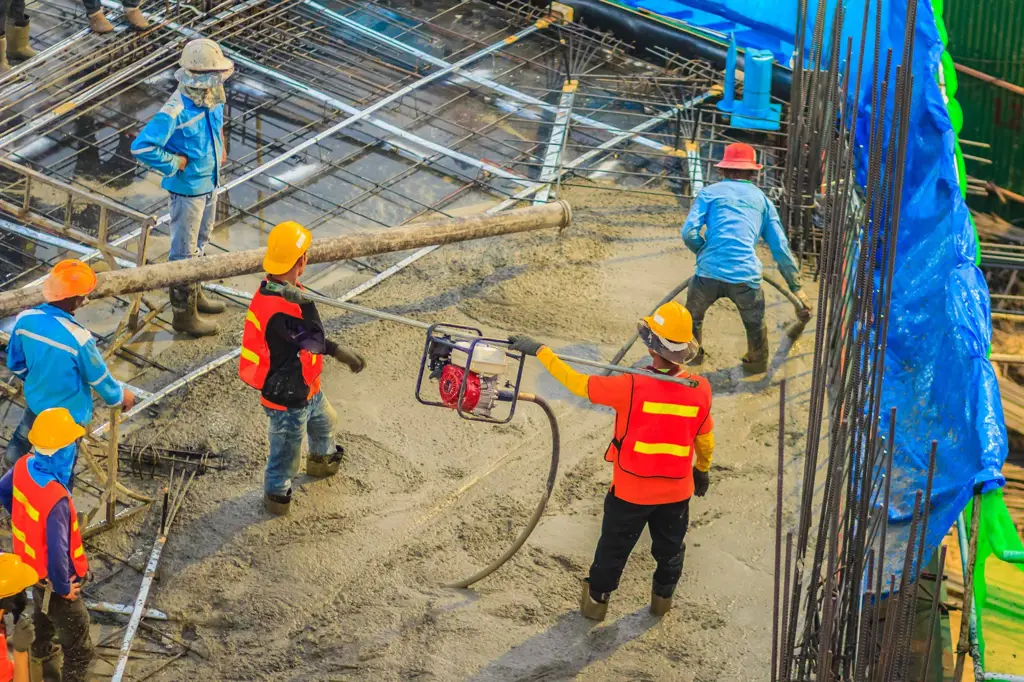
column 672, row 322
column 15, row 576
column 54, row 428
column 285, row 246
column 68, row 278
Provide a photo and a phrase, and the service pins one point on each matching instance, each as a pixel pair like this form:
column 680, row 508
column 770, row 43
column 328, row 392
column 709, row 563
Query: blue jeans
column 191, row 222
column 19, row 445
column 287, row 428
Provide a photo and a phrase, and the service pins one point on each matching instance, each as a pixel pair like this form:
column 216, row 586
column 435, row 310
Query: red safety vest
column 32, row 506
column 254, row 363
column 663, row 422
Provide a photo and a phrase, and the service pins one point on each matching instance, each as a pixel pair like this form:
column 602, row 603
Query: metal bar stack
column 845, row 599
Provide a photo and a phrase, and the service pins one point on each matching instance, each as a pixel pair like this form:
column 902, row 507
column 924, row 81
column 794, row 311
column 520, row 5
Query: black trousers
column 69, row 622
column 622, row 526
column 704, row 291
column 13, row 9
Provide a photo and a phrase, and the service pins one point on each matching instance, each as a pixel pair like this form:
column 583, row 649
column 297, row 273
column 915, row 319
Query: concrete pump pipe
column 427, row 233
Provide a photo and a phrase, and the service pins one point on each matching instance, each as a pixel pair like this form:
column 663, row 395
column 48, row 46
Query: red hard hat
column 739, row 156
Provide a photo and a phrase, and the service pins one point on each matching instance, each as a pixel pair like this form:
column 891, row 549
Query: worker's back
column 734, row 213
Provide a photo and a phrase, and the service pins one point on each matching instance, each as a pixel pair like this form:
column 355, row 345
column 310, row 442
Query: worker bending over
column 184, row 142
column 15, row 577
column 44, row 526
column 736, row 214
column 661, row 452
column 57, row 358
column 283, row 345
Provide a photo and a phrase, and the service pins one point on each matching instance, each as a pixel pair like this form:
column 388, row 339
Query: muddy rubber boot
column 209, row 306
column 756, row 359
column 46, row 669
column 99, row 24
column 698, row 359
column 186, row 318
column 135, row 19
column 322, row 466
column 661, row 598
column 5, row 66
column 278, row 504
column 593, row 607
column 17, row 42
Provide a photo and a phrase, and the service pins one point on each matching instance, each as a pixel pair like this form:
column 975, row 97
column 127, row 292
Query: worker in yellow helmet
column 661, row 453
column 15, row 577
column 283, row 345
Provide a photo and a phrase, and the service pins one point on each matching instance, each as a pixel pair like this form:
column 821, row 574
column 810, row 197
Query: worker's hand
column 24, row 633
column 524, row 344
column 804, row 313
column 354, row 360
column 128, row 402
column 294, row 294
column 180, row 162
column 701, row 481
column 75, row 593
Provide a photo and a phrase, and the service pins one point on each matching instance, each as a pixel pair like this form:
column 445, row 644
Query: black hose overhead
column 539, row 511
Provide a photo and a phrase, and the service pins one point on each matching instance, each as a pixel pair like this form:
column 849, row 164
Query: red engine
column 450, row 383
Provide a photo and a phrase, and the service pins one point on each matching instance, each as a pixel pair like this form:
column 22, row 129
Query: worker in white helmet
column 184, row 143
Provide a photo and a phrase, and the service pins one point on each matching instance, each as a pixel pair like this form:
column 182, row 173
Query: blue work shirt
column 183, row 128
column 58, row 524
column 59, row 362
column 737, row 214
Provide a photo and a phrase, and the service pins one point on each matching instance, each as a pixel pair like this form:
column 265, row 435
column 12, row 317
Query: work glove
column 24, row 634
column 294, row 294
column 701, row 481
column 803, row 313
column 354, row 360
column 524, row 344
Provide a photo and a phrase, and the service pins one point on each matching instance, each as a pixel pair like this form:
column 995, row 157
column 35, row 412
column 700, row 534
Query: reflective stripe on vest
column 254, row 361
column 31, row 508
column 662, row 424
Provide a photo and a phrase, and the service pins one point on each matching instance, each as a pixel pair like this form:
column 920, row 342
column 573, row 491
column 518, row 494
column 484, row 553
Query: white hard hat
column 202, row 55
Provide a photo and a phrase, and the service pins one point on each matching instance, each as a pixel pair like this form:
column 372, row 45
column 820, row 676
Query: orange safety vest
column 254, row 363
column 32, row 506
column 6, row 667
column 663, row 421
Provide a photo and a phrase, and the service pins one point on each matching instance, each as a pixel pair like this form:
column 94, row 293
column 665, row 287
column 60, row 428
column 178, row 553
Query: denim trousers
column 18, row 446
column 93, row 6
column 191, row 222
column 287, row 428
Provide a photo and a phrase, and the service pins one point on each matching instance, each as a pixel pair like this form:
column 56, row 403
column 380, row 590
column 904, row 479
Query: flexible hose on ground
column 539, row 511
column 783, row 289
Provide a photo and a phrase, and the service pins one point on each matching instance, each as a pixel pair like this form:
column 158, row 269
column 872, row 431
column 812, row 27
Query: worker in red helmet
column 661, row 453
column 283, row 344
column 733, row 215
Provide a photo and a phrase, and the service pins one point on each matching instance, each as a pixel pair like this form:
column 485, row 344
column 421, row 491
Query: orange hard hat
column 285, row 245
column 69, row 278
column 739, row 156
column 54, row 429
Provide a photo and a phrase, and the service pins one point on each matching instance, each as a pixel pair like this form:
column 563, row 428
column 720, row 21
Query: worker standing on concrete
column 736, row 214
column 184, row 142
column 283, row 345
column 15, row 577
column 98, row 20
column 661, row 452
column 44, row 526
column 57, row 358
column 14, row 28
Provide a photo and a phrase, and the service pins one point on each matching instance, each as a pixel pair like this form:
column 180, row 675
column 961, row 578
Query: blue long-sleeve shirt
column 58, row 532
column 59, row 362
column 737, row 214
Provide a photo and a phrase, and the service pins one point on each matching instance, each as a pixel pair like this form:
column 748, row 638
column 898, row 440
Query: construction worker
column 15, row 577
column 98, row 20
column 57, row 358
column 661, row 453
column 44, row 526
column 283, row 345
column 184, row 142
column 736, row 214
column 14, row 28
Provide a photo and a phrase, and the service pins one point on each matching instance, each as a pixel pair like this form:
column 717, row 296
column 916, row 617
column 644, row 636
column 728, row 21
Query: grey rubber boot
column 661, row 598
column 591, row 608
column 209, row 306
column 756, row 359
column 46, row 669
column 278, row 504
column 322, row 466
column 184, row 301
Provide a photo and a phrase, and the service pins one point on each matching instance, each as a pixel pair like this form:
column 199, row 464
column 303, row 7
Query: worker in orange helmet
column 15, row 577
column 283, row 344
column 46, row 537
column 734, row 215
column 660, row 451
column 57, row 358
